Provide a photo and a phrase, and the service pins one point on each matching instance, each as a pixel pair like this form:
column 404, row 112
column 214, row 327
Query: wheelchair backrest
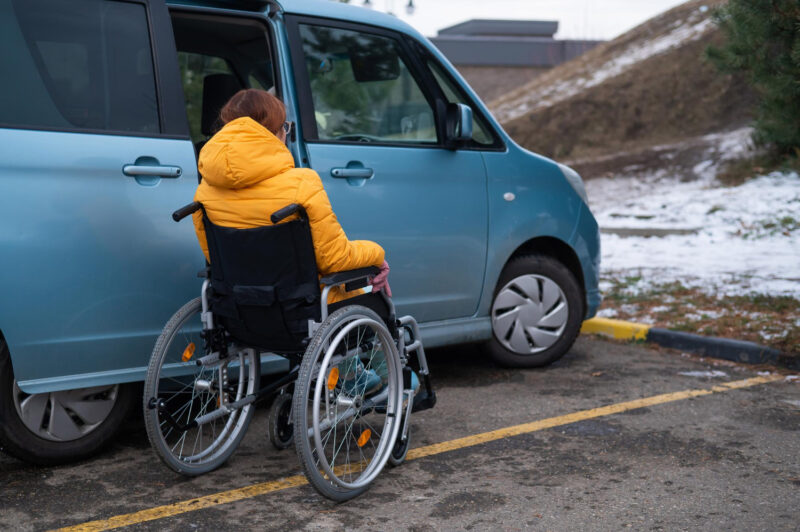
column 264, row 280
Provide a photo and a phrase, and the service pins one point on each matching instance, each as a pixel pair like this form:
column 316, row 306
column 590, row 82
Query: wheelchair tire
column 343, row 441
column 279, row 427
column 188, row 391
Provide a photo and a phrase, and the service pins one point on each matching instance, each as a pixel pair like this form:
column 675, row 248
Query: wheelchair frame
column 222, row 351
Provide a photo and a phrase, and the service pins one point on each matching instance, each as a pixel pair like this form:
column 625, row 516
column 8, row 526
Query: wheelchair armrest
column 348, row 277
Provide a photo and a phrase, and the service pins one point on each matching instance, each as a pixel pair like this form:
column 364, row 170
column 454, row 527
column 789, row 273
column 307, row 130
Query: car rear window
column 77, row 66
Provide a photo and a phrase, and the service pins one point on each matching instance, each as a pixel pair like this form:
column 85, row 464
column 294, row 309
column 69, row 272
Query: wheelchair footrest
column 424, row 400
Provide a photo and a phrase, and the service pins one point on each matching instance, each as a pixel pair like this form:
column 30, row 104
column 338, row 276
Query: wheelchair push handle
column 281, row 214
column 185, row 211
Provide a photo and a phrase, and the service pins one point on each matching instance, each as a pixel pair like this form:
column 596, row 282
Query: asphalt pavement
column 613, row 436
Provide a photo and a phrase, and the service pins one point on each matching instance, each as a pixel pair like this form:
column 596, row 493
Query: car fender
column 528, row 199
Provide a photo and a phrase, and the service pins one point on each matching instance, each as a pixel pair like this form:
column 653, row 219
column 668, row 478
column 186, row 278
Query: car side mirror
column 458, row 124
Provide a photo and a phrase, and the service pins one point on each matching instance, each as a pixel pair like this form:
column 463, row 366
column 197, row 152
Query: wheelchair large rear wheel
column 345, row 421
column 178, row 391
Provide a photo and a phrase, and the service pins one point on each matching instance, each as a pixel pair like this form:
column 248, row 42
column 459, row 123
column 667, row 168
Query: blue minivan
column 103, row 108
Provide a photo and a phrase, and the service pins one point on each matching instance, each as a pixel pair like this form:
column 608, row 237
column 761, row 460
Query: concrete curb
column 724, row 348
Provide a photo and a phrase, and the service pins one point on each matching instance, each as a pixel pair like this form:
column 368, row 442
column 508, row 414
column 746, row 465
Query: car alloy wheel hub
column 65, row 415
column 529, row 314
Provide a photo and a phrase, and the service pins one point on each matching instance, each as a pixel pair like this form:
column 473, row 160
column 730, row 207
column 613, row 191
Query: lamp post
column 410, row 7
column 389, row 5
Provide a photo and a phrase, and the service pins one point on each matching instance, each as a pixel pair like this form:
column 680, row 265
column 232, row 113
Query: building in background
column 496, row 56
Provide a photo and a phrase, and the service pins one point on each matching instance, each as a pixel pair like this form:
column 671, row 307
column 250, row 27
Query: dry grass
column 664, row 99
column 739, row 171
column 769, row 320
column 667, row 98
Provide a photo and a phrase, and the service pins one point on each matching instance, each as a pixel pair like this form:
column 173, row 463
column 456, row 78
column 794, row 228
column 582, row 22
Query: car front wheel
column 536, row 312
column 58, row 427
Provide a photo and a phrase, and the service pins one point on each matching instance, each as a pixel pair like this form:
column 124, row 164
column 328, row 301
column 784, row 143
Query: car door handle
column 364, row 173
column 136, row 170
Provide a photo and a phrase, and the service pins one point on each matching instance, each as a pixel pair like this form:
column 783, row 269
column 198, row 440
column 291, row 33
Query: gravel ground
column 726, row 461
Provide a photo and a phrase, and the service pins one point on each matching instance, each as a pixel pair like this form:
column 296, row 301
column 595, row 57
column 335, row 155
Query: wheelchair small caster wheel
column 281, row 430
column 400, row 449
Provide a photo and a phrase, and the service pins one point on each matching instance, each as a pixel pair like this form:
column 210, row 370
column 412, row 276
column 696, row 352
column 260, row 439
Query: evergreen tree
column 763, row 41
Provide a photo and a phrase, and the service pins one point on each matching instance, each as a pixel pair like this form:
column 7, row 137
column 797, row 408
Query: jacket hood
column 242, row 154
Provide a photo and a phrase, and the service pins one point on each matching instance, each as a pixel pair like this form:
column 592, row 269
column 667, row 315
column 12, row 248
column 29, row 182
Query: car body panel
column 545, row 191
column 586, row 243
column 421, row 232
column 93, row 266
column 544, row 205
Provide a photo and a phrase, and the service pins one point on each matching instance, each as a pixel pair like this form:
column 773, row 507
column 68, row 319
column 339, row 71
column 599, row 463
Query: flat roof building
column 497, row 55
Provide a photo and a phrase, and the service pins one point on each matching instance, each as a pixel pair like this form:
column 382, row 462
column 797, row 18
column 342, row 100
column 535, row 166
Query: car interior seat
column 217, row 90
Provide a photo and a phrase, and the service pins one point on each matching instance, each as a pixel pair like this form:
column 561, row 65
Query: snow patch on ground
column 681, row 32
column 607, row 313
column 746, row 239
column 774, row 336
column 704, row 374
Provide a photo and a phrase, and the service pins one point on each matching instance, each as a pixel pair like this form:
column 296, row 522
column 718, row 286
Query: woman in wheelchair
column 248, row 173
column 283, row 279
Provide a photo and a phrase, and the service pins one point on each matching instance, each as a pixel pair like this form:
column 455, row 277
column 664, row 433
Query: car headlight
column 575, row 180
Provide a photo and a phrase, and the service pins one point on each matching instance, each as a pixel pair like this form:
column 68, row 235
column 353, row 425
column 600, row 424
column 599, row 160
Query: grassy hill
column 621, row 103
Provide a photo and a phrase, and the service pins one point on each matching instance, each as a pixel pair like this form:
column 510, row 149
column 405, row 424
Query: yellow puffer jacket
column 248, row 174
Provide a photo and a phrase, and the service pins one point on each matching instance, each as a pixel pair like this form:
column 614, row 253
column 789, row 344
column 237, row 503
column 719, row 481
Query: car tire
column 536, row 312
column 19, row 441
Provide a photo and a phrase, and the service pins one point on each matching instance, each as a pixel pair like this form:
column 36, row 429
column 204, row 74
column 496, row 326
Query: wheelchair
column 261, row 300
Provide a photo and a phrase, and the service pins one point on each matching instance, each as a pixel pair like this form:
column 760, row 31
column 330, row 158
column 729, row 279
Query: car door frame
column 427, row 84
column 169, row 89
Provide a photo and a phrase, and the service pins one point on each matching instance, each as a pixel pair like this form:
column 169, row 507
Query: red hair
column 259, row 105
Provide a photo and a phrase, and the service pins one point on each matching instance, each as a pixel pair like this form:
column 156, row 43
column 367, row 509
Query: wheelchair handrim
column 374, row 467
column 223, row 443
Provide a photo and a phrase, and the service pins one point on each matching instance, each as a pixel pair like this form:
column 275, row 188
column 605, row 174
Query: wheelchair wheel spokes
column 349, row 386
column 346, row 444
column 178, row 393
column 196, row 444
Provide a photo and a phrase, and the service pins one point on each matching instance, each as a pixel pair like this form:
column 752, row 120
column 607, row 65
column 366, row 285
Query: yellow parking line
column 263, row 488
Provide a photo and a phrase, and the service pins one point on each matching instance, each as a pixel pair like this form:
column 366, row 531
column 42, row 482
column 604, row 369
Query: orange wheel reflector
column 333, row 378
column 364, row 438
column 188, row 352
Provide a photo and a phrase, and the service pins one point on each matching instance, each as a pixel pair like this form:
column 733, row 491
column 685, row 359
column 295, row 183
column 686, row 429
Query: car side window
column 362, row 89
column 480, row 131
column 78, row 66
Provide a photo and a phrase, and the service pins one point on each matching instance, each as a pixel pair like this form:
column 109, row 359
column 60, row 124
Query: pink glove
column 380, row 282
